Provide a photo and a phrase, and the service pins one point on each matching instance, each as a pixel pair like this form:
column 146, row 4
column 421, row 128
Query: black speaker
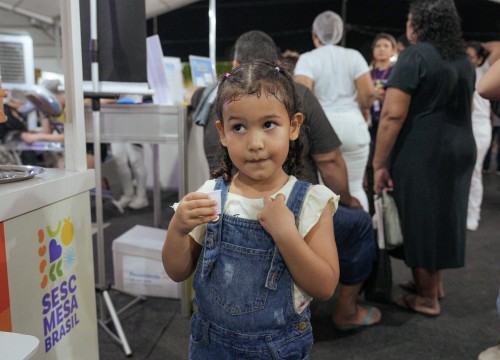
column 121, row 39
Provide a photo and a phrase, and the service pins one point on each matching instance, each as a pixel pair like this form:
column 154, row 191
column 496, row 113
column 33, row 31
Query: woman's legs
column 426, row 300
column 355, row 161
column 352, row 131
column 119, row 151
column 482, row 135
column 136, row 158
column 348, row 313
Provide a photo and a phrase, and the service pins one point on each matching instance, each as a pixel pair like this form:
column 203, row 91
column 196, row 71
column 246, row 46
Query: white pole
column 211, row 36
column 74, row 129
column 344, row 19
column 94, row 51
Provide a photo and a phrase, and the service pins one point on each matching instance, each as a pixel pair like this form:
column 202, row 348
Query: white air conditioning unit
column 17, row 61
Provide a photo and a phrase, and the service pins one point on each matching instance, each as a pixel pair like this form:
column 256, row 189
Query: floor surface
column 469, row 322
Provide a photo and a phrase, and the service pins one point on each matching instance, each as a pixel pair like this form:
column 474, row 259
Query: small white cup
column 216, row 195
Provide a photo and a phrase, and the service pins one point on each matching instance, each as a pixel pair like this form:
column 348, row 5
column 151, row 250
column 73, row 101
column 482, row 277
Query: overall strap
column 214, row 233
column 221, row 185
column 296, row 198
column 294, row 203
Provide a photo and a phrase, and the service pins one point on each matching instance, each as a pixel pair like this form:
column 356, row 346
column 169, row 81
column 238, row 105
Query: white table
column 44, row 226
column 153, row 124
column 145, row 123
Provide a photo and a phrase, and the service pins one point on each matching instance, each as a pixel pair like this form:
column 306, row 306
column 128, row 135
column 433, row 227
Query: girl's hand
column 193, row 210
column 276, row 217
column 382, row 180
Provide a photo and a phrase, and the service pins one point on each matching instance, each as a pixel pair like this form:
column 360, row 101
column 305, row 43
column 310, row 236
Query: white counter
column 47, row 188
column 46, row 263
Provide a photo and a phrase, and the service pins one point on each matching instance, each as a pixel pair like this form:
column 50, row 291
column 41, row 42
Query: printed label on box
column 145, row 276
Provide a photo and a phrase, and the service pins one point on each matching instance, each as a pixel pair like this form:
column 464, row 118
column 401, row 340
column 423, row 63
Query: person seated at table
column 48, row 98
column 15, row 123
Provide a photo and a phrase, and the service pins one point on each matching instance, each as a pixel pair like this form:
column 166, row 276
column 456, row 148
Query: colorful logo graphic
column 56, row 251
column 57, row 262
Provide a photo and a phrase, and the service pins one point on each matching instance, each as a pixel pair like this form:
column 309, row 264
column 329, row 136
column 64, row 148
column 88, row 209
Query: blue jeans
column 355, row 239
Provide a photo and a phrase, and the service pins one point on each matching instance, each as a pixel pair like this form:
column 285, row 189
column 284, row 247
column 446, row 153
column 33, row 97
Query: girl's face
column 383, row 50
column 256, row 132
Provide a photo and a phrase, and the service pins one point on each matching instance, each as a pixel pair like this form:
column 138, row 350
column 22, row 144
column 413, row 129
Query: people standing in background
column 383, row 52
column 321, row 156
column 402, row 43
column 340, row 79
column 489, row 88
column 481, row 127
column 290, row 58
column 425, row 151
column 129, row 159
column 495, row 143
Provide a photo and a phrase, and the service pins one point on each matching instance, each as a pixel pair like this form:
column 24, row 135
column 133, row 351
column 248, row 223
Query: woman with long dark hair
column 425, row 149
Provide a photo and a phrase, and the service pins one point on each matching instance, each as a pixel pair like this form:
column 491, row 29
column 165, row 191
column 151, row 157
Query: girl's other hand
column 275, row 216
column 194, row 209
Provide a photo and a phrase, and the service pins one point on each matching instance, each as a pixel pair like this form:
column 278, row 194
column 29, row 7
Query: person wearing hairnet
column 340, row 79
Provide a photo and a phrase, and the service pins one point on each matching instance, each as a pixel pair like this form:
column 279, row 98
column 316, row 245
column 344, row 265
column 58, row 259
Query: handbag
column 378, row 287
column 391, row 221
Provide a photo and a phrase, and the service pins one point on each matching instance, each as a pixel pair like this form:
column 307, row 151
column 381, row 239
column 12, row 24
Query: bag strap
column 378, row 220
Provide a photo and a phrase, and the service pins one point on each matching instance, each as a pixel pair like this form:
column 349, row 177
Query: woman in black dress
column 425, row 149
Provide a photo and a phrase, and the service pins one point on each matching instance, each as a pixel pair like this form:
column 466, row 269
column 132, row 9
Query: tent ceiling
column 48, row 10
column 40, row 18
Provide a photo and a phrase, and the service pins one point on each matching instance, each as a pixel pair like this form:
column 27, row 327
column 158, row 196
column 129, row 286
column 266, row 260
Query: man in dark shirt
column 354, row 235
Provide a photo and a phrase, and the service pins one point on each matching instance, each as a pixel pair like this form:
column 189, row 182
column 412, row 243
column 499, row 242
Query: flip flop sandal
column 403, row 303
column 409, row 286
column 364, row 323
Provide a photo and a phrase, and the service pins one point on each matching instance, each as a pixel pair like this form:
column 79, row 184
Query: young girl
column 272, row 249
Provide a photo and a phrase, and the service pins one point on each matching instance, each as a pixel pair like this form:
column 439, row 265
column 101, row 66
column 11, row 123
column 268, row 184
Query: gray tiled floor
column 468, row 324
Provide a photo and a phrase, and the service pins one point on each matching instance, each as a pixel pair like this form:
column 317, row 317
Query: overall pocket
column 199, row 332
column 238, row 279
column 296, row 345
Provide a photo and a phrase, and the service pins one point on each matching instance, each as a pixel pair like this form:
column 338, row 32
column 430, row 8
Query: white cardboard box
column 137, row 263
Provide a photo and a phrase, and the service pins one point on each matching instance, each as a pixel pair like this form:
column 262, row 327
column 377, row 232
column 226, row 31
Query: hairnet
column 328, row 26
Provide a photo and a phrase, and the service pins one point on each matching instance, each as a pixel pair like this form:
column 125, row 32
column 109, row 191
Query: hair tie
column 277, row 68
column 227, row 75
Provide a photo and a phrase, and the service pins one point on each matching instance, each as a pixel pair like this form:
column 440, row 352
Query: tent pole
column 344, row 19
column 212, row 23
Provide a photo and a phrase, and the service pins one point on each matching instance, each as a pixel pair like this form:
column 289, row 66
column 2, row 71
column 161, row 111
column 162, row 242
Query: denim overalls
column 244, row 293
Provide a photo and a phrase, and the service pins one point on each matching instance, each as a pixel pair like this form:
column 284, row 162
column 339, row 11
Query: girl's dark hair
column 478, row 48
column 259, row 78
column 437, row 21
